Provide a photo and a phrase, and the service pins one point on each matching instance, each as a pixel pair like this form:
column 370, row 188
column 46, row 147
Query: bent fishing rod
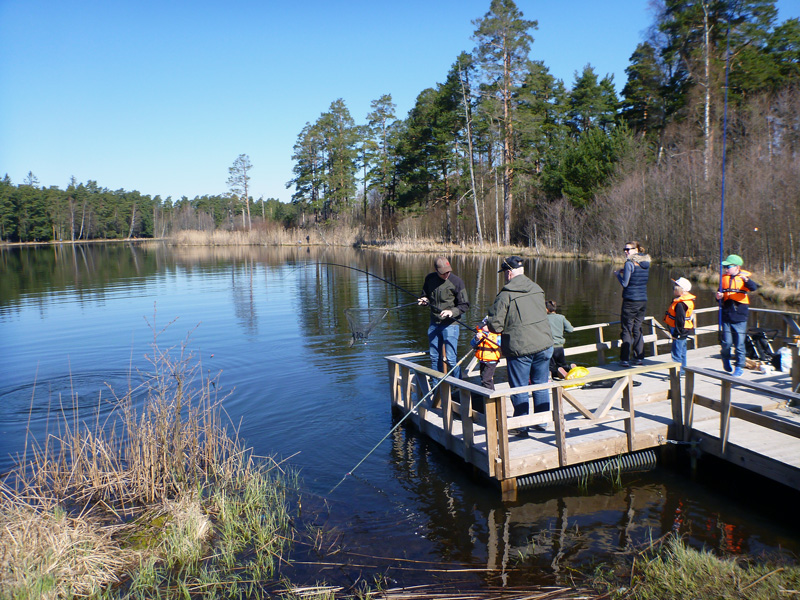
column 722, row 200
column 405, row 416
column 402, row 289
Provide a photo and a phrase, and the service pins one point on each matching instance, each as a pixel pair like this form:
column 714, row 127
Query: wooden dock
column 747, row 420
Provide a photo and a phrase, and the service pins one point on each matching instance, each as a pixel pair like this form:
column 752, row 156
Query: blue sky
column 162, row 96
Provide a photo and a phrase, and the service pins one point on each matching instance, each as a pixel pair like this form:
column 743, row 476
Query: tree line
column 504, row 152
column 86, row 211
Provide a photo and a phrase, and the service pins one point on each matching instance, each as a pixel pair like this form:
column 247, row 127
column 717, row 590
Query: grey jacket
column 558, row 325
column 520, row 315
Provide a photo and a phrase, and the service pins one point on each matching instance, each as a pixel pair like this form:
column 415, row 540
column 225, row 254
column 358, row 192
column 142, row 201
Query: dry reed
column 134, row 499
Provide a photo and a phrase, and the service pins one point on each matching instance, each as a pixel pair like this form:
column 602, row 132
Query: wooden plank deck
column 645, row 408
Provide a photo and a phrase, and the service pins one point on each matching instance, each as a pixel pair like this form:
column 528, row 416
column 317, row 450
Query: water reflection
column 272, row 321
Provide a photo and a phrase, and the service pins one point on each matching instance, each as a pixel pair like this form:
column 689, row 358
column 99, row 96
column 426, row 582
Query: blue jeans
column 533, row 368
column 678, row 351
column 443, row 341
column 733, row 334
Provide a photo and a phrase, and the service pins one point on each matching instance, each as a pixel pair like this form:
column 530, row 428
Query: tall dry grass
column 135, row 500
column 271, row 235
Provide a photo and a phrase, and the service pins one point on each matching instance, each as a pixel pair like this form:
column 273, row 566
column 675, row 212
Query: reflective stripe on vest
column 733, row 288
column 669, row 317
column 488, row 350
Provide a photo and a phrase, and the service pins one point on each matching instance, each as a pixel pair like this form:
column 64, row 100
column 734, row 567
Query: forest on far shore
column 502, row 152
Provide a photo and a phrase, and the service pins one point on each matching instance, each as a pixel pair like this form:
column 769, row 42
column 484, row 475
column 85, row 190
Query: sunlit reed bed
column 158, row 499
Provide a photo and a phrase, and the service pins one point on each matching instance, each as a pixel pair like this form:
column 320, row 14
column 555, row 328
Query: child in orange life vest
column 679, row 319
column 487, row 351
column 734, row 289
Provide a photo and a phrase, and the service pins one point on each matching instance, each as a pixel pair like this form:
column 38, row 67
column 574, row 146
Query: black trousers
column 487, row 381
column 559, row 360
column 632, row 317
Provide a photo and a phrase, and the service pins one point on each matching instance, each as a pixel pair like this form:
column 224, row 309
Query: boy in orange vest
column 487, row 351
column 679, row 319
column 734, row 287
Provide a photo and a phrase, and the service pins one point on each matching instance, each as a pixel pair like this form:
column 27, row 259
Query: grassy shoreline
column 667, row 569
column 777, row 287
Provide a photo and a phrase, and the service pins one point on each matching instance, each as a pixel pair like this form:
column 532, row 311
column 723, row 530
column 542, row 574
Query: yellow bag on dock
column 576, row 373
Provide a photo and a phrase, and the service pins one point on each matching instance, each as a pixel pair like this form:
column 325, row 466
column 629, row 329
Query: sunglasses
column 627, row 249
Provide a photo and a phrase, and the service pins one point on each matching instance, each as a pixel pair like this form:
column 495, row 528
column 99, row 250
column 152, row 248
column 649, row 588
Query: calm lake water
column 76, row 323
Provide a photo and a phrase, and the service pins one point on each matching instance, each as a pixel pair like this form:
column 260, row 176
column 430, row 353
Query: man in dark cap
column 520, row 315
column 446, row 294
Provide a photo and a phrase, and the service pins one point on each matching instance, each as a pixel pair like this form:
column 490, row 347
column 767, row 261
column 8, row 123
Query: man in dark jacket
column 446, row 294
column 519, row 314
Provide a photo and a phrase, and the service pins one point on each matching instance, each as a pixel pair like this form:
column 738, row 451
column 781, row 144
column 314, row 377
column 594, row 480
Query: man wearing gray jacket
column 519, row 314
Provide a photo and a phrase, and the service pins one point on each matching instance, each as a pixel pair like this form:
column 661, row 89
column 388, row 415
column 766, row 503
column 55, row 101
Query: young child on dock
column 487, row 351
column 679, row 319
column 558, row 325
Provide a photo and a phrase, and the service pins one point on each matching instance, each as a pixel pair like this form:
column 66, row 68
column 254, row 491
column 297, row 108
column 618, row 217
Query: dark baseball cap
column 510, row 263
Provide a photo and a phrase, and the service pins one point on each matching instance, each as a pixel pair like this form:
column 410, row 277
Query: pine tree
column 378, row 163
column 503, row 46
column 643, row 107
column 239, row 185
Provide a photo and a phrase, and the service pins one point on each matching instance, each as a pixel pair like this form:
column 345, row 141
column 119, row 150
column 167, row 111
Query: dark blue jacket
column 634, row 276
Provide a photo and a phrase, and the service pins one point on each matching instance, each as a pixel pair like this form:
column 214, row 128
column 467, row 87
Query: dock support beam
column 509, row 489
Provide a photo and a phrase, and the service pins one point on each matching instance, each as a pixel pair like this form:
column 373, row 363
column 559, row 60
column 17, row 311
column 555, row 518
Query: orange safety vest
column 733, row 288
column 669, row 317
column 488, row 349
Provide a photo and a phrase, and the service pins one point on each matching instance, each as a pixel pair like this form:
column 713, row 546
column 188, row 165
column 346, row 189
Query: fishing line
column 433, row 308
column 402, row 289
column 405, row 416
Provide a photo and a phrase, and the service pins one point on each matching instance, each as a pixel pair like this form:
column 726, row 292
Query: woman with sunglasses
column 633, row 277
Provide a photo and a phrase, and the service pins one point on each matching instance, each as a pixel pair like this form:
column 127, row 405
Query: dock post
column 675, row 399
column 490, row 412
column 394, row 374
column 509, row 489
column 601, row 347
column 628, row 405
column 725, row 416
column 558, row 424
column 688, row 406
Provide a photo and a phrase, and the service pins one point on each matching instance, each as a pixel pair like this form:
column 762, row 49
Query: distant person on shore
column 734, row 287
column 558, row 325
column 679, row 319
column 519, row 314
column 446, row 295
column 633, row 278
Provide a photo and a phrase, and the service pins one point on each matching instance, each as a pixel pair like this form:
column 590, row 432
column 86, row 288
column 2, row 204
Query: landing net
column 363, row 320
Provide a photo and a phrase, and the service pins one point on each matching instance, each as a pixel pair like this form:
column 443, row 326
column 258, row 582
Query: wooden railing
column 704, row 333
column 410, row 383
column 727, row 411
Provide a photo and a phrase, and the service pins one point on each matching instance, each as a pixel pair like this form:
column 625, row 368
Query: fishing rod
column 722, row 200
column 405, row 416
column 393, row 284
column 434, row 309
